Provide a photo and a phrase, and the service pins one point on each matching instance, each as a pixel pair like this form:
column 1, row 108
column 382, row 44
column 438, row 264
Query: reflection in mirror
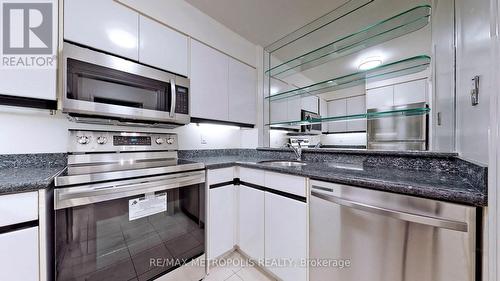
column 368, row 79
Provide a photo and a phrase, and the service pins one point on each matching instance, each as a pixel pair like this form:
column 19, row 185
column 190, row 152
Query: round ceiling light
column 370, row 63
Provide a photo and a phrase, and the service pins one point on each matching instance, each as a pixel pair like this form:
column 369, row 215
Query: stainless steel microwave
column 312, row 129
column 102, row 88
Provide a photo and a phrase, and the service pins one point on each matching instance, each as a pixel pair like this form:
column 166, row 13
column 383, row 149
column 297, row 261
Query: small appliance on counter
column 401, row 132
column 125, row 198
column 304, row 141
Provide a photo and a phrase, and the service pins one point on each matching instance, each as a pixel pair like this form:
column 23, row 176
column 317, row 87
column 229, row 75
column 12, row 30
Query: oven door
column 102, row 85
column 135, row 229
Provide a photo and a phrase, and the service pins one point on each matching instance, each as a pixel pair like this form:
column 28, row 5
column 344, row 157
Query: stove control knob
column 102, row 140
column 160, row 141
column 83, row 140
column 170, row 141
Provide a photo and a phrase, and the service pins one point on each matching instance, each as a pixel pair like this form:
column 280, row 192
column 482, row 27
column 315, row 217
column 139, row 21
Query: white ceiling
column 265, row 21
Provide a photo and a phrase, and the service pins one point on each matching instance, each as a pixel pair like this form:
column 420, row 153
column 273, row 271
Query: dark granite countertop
column 434, row 184
column 29, row 172
column 14, row 180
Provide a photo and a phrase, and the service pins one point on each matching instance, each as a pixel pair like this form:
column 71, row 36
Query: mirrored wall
column 373, row 75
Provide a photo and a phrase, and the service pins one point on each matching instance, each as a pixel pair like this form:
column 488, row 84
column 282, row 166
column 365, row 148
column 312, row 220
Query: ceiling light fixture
column 370, row 63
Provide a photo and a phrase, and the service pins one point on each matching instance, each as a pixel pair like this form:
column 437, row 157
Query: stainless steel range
column 127, row 208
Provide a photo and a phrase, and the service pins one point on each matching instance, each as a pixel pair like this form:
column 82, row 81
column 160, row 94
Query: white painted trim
column 494, row 153
column 42, row 235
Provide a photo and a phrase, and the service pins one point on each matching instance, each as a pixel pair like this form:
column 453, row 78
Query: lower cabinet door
column 19, row 259
column 286, row 237
column 251, row 222
column 221, row 223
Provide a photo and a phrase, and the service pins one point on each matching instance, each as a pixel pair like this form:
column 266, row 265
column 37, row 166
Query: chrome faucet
column 297, row 150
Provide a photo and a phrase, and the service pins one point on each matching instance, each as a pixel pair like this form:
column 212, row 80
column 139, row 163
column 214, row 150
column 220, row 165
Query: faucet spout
column 297, row 150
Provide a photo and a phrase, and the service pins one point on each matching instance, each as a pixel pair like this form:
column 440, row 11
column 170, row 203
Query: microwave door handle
column 173, row 96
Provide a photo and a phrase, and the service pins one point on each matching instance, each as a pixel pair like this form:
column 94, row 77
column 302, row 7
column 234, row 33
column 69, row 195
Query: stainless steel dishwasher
column 359, row 234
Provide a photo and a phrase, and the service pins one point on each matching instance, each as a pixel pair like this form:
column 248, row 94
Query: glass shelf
column 397, row 26
column 366, row 116
column 342, row 11
column 386, row 71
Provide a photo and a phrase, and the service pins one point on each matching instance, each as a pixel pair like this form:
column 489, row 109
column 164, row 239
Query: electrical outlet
column 203, row 140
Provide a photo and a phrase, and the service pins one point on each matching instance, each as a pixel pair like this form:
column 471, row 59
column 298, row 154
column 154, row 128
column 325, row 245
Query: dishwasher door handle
column 421, row 219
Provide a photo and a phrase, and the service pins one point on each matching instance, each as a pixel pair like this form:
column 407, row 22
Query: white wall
column 25, row 130
column 344, row 139
column 187, row 19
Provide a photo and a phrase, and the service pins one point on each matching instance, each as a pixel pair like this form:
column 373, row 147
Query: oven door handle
column 89, row 194
column 173, row 96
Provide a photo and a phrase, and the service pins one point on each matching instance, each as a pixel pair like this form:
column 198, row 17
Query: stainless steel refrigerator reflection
column 399, row 132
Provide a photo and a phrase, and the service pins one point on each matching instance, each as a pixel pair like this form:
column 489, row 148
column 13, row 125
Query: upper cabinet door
column 356, row 105
column 162, row 47
column 242, row 91
column 337, row 108
column 209, row 81
column 310, row 104
column 380, row 97
column 279, row 111
column 33, row 82
column 102, row 24
column 411, row 92
column 42, row 83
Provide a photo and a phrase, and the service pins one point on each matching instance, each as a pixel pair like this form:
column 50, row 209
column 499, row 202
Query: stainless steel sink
column 283, row 163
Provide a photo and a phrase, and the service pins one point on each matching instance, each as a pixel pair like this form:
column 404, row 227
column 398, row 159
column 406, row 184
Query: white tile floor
column 231, row 271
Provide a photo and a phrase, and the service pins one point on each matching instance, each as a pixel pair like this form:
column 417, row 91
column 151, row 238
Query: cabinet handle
column 405, row 216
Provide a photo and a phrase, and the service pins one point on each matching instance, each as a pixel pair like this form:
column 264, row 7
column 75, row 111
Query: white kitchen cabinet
column 222, row 217
column 286, row 183
column 162, row 47
column 310, row 104
column 286, row 232
column 285, row 110
column 222, row 213
column 20, row 255
column 279, row 111
column 102, row 24
column 251, row 221
column 251, row 213
column 337, row 108
column 410, row 92
column 33, row 82
column 42, row 83
column 356, row 105
column 398, row 94
column 380, row 97
column 209, row 81
column 294, row 107
column 242, row 92
column 18, row 208
column 323, row 111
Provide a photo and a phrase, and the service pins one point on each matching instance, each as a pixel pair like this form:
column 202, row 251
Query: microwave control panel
column 182, row 101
